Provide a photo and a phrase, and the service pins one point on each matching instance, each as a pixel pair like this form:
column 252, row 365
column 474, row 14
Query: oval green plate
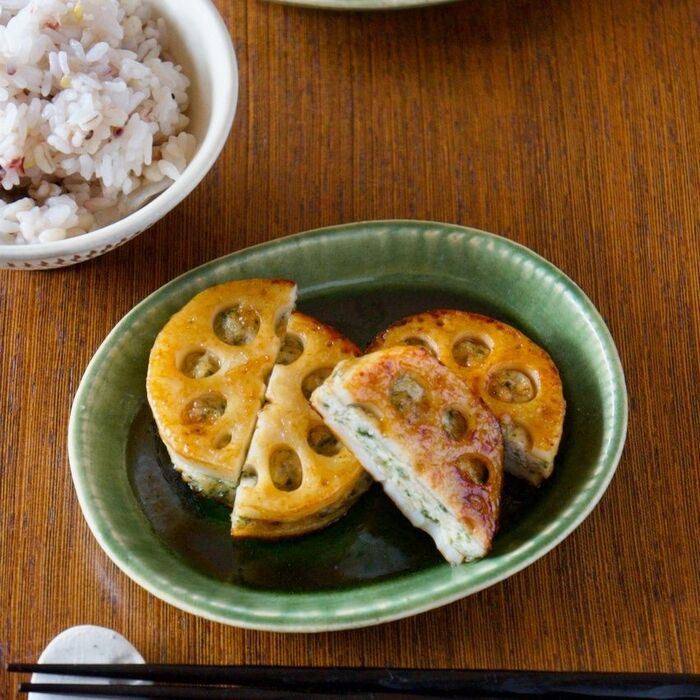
column 488, row 272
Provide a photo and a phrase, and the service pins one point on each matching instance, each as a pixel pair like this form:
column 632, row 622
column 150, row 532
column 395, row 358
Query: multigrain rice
column 92, row 119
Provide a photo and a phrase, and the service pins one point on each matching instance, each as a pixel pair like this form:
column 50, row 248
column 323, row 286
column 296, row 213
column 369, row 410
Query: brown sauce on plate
column 374, row 541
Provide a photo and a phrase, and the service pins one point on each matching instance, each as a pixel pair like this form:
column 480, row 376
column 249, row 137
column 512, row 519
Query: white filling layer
column 385, row 463
column 197, row 478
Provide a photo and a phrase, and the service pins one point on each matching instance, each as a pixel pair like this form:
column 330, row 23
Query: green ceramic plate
column 371, row 566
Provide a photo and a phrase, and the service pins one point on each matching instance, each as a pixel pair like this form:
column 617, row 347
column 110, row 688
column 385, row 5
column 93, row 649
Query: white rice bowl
column 92, row 115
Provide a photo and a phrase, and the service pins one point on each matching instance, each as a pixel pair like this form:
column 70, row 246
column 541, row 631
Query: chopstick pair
column 267, row 682
column 181, row 692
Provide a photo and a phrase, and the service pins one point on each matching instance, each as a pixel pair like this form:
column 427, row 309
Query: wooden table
column 571, row 126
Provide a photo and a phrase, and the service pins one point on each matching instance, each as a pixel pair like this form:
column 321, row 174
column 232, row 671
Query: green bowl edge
column 417, row 592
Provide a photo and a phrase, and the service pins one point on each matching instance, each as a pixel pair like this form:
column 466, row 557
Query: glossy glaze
column 374, row 541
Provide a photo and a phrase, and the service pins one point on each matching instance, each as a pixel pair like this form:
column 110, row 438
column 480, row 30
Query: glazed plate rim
column 417, row 592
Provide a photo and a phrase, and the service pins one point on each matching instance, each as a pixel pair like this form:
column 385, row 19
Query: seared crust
column 516, row 378
column 424, row 413
column 330, row 480
column 206, row 379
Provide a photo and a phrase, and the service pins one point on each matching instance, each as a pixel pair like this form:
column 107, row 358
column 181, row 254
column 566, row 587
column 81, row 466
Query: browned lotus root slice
column 298, row 477
column 515, row 377
column 418, row 428
column 207, row 374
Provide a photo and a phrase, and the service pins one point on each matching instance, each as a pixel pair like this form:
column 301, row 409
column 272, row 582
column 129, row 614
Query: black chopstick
column 438, row 682
column 180, row 692
column 171, row 692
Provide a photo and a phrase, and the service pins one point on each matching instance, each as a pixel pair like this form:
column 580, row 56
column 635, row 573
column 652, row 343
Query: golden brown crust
column 515, row 378
column 329, row 473
column 415, row 401
column 278, row 529
column 206, row 379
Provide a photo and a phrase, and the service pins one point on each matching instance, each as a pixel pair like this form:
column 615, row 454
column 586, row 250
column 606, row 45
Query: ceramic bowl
column 372, row 565
column 362, row 5
column 201, row 43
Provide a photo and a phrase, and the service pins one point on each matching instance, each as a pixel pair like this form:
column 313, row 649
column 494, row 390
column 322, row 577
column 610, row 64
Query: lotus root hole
column 200, row 364
column 468, row 352
column 222, row 441
column 511, row 386
column 405, row 392
column 475, row 468
column 322, row 441
column 314, row 380
column 291, row 349
column 419, row 342
column 237, row 325
column 206, row 409
column 285, row 469
column 249, row 476
column 454, row 423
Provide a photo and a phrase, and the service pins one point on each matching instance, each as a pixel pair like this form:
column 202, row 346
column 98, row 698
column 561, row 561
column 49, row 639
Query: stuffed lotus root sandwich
column 207, row 374
column 229, row 379
column 297, row 477
column 515, row 378
column 417, row 428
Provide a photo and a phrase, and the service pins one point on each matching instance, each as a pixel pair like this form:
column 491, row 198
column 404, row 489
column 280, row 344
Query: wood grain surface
column 571, row 126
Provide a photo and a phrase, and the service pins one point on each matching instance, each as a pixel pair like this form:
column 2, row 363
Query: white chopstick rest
column 81, row 645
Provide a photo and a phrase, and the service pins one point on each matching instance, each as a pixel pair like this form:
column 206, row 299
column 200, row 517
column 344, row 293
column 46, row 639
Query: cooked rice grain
column 92, row 115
